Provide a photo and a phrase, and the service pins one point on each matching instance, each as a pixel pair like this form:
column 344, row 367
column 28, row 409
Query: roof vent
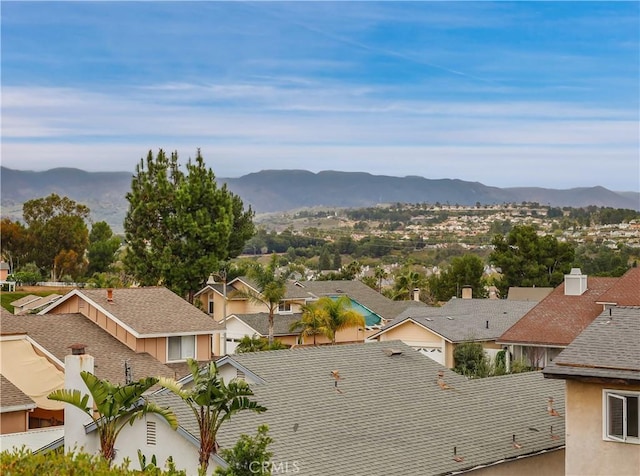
column 110, row 295
column 78, row 349
column 390, row 352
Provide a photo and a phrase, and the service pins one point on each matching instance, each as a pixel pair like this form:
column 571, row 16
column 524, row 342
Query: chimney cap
column 77, row 349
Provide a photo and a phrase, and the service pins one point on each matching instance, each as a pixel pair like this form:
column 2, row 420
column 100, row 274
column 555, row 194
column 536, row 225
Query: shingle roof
column 281, row 323
column 626, row 291
column 29, row 298
column 391, row 417
column 56, row 332
column 607, row 348
column 150, row 311
column 12, row 396
column 558, row 319
column 460, row 320
column 356, row 290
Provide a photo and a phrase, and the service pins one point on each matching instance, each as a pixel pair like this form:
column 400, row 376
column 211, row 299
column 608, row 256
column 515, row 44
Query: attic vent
column 390, row 352
column 240, row 374
column 151, row 433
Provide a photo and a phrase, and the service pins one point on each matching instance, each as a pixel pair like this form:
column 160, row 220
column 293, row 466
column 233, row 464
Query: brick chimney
column 75, row 436
column 110, row 295
column 575, row 283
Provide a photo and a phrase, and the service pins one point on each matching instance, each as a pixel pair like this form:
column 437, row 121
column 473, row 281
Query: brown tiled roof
column 12, row 396
column 608, row 348
column 57, row 332
column 151, row 311
column 558, row 319
column 626, row 292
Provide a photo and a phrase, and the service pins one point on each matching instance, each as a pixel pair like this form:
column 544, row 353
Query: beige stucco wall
column 545, row 464
column 14, row 422
column 203, row 347
column 587, row 453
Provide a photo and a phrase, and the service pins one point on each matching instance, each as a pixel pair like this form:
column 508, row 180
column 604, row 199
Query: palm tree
column 380, row 274
column 116, row 405
column 271, row 288
column 212, row 402
column 338, row 315
column 313, row 322
column 405, row 282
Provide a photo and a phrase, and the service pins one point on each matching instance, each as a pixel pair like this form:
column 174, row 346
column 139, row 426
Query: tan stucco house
column 601, row 370
column 376, row 308
column 559, row 318
column 151, row 320
column 435, row 331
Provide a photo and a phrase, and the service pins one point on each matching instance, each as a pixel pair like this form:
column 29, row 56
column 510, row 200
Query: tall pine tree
column 180, row 225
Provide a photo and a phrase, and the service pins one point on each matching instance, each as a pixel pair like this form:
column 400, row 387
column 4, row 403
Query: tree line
column 180, row 226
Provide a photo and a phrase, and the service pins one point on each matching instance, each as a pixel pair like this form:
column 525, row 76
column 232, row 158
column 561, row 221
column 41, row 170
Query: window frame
column 287, row 307
column 183, row 359
column 621, row 395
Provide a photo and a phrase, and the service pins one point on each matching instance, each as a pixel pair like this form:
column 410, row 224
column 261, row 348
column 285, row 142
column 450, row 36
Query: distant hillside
column 281, row 190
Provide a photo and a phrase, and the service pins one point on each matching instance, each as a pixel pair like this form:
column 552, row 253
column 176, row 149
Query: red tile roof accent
column 558, row 319
column 626, row 292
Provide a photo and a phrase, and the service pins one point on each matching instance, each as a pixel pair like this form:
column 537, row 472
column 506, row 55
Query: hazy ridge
column 281, row 190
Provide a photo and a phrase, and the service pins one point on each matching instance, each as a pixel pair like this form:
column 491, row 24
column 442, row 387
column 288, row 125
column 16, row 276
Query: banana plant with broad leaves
column 212, row 402
column 115, row 406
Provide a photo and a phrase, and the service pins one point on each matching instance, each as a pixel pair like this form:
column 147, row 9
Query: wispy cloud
column 440, row 89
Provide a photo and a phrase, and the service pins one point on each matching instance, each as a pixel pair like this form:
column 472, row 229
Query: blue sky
column 507, row 93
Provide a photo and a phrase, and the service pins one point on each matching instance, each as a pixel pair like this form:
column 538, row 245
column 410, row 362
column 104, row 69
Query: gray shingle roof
column 460, row 320
column 608, row 348
column 391, row 417
column 356, row 290
column 150, row 311
column 281, row 323
column 12, row 396
column 56, row 332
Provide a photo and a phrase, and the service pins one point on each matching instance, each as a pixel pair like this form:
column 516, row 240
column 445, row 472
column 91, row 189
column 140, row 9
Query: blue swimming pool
column 370, row 317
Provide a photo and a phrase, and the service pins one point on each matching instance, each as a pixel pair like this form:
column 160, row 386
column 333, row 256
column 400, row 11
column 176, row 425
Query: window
column 181, row 348
column 621, row 418
column 211, row 306
column 284, row 306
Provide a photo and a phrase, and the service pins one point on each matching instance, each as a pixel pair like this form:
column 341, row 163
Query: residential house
column 4, row 274
column 4, row 271
column 27, row 375
column 55, row 334
column 375, row 409
column 436, row 331
column 559, row 318
column 15, row 406
column 601, row 370
column 376, row 308
column 256, row 325
column 152, row 320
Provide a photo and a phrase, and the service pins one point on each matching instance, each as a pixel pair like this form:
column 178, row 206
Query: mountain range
column 271, row 191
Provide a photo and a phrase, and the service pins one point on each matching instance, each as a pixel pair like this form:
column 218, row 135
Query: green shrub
column 25, row 463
